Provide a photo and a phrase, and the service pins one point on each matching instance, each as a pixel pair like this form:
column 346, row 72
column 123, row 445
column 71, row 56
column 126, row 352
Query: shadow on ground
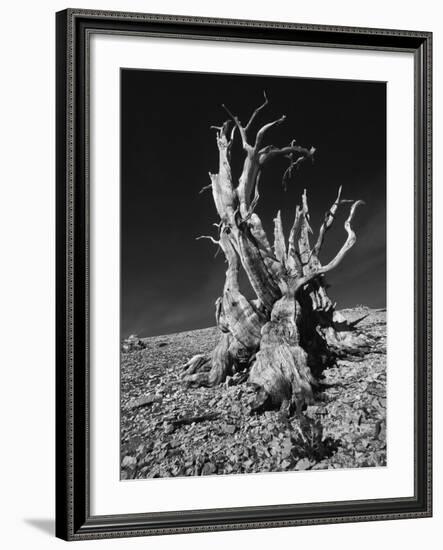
column 42, row 524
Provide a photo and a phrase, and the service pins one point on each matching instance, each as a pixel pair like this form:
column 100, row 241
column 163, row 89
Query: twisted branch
column 255, row 113
column 349, row 243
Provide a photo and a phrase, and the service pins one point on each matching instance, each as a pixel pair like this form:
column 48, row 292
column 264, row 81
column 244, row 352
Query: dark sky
column 170, row 280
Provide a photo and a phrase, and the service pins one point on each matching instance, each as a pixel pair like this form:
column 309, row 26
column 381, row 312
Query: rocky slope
column 170, row 430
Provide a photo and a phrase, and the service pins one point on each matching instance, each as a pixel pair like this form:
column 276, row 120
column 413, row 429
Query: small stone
column 303, row 464
column 286, row 447
column 168, row 429
column 129, row 462
column 229, row 428
column 208, row 469
column 174, row 452
column 133, row 343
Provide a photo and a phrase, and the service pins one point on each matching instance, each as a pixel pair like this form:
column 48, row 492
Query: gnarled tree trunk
column 291, row 331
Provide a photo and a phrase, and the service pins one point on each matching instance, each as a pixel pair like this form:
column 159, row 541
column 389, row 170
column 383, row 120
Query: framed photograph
column 243, row 274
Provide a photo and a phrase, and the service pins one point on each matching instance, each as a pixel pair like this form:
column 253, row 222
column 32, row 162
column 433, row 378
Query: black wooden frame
column 73, row 518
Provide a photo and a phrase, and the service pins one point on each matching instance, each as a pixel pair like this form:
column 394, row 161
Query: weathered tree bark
column 291, row 331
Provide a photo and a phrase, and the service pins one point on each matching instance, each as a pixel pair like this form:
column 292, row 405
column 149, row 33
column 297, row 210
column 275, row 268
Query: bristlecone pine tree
column 290, row 332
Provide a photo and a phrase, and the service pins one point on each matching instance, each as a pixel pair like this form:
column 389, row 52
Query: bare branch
column 305, row 208
column 295, row 229
column 350, row 241
column 208, row 237
column 225, row 136
column 288, row 173
column 304, row 245
column 270, row 151
column 265, row 128
column 293, row 260
column 229, row 112
column 255, row 113
column 205, row 188
column 222, row 188
column 279, row 239
column 329, row 218
column 231, row 139
column 241, row 129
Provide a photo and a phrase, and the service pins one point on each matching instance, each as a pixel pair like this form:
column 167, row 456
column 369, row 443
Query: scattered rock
column 303, row 464
column 144, row 401
column 140, row 449
column 133, row 343
column 208, row 469
column 229, row 428
column 167, row 430
column 287, row 447
column 129, row 462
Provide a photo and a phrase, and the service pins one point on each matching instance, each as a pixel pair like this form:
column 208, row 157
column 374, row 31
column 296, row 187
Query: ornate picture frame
column 74, row 517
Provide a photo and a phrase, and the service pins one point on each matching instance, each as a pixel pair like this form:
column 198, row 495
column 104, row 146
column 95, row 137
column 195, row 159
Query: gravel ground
column 345, row 428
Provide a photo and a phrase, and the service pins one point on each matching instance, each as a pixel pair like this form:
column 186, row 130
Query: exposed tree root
column 227, row 358
column 210, row 371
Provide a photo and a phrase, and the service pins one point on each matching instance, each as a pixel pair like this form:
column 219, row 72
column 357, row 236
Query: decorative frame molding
column 73, row 518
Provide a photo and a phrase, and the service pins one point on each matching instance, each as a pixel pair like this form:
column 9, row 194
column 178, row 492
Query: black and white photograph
column 243, row 276
column 253, row 274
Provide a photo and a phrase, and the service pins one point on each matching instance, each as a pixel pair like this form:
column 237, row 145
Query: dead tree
column 290, row 331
